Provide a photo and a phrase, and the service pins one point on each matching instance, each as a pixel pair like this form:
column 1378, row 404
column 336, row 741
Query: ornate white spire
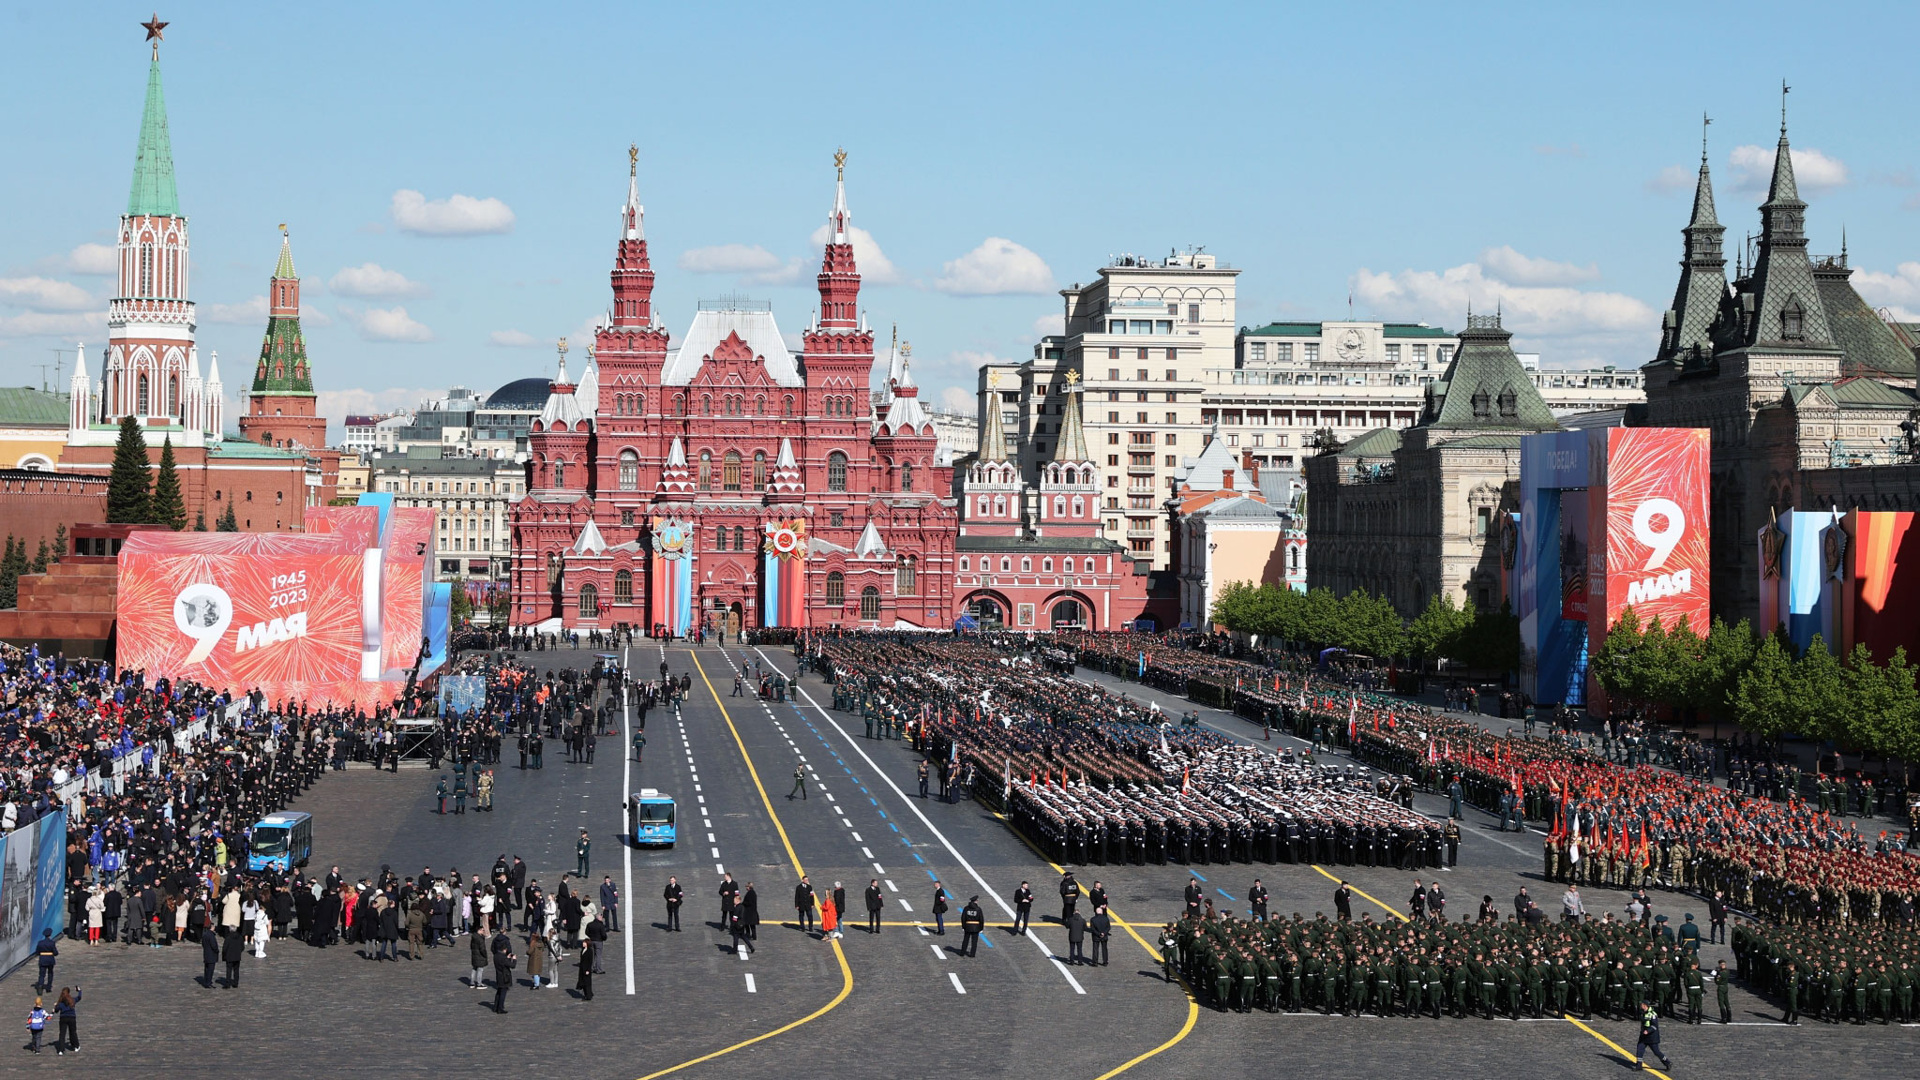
column 838, row 221
column 216, row 398
column 79, row 391
column 677, row 456
column 632, row 215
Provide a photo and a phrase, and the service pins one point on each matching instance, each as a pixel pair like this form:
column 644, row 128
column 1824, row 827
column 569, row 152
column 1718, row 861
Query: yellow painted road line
column 1193, row 1003
column 1616, row 1046
column 1388, row 908
column 1583, row 1027
column 846, row 973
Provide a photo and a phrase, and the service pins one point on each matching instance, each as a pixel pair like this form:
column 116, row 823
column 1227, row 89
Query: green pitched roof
column 1413, row 330
column 1485, row 387
column 283, row 359
column 153, row 192
column 1380, row 442
column 240, row 448
column 27, row 407
column 1870, row 346
column 283, row 271
column 1870, row 393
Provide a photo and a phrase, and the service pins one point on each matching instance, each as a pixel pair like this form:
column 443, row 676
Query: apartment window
column 836, row 589
column 869, row 604
column 1310, row 351
column 836, row 471
column 629, row 470
column 1279, row 440
column 1139, row 395
column 1140, row 545
column 1173, row 461
column 1173, row 418
column 836, row 519
column 1172, row 396
column 626, row 518
column 1259, row 440
column 1420, row 354
column 1193, row 313
column 1113, row 418
column 1257, row 350
column 1233, row 440
column 1393, row 354
column 1143, row 461
column 1140, row 418
column 1113, row 437
column 1172, row 438
column 1113, row 460
column 1442, row 353
column 1141, row 354
column 1482, row 520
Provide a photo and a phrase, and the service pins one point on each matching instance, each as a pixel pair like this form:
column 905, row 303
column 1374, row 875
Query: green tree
column 1724, row 657
column 199, row 521
column 168, row 507
column 227, row 523
column 10, row 564
column 1368, row 625
column 1491, row 642
column 1763, row 694
column 1612, row 664
column 42, row 558
column 1881, row 701
column 1821, row 698
column 129, row 498
column 1436, row 632
column 460, row 609
column 59, row 541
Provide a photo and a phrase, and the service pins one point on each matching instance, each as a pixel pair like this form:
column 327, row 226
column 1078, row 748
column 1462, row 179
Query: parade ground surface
column 898, row 1004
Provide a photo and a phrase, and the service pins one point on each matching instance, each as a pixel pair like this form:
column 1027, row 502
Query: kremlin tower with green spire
column 281, row 407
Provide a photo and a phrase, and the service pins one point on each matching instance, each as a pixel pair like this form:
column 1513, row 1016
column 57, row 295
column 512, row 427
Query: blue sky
column 1537, row 155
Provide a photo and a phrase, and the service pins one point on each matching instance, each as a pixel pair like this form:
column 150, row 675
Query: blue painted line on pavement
column 932, row 876
column 987, row 940
column 1224, row 893
column 918, row 859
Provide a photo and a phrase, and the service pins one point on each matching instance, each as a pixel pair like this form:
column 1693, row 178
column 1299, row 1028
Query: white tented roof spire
column 838, row 221
column 677, row 455
column 870, row 545
column 785, row 460
column 633, row 215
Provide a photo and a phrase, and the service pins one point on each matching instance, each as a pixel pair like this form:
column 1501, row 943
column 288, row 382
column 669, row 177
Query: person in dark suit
column 503, row 964
column 1101, row 926
column 231, row 952
column 1343, row 901
column 875, row 901
column 1076, row 937
column 1022, row 907
column 589, row 956
column 674, row 896
column 209, row 953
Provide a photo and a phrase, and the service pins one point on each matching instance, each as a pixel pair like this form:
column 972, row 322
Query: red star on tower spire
column 153, row 27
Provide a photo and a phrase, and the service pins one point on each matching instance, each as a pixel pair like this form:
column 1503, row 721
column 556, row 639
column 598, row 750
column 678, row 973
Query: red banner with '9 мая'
column 1654, row 502
column 241, row 612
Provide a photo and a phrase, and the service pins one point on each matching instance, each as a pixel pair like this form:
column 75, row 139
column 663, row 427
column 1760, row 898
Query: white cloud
column 1898, row 291
column 512, row 339
column 388, row 324
column 374, row 281
column 68, row 325
column 1672, row 178
column 1568, row 324
column 754, row 264
column 360, row 401
column 457, row 215
column 252, row 310
column 997, row 267
column 93, row 259
column 1812, row 170
column 875, row 268
column 45, row 294
column 959, row 400
column 1054, row 324
column 1509, row 265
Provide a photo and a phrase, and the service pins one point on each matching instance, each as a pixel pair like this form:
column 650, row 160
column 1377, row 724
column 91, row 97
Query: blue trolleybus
column 281, row 842
column 652, row 816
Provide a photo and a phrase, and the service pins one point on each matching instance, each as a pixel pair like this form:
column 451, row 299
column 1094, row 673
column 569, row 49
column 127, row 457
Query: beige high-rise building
column 1140, row 336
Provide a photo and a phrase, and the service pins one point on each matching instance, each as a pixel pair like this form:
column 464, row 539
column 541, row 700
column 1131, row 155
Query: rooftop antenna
column 43, row 373
column 60, row 356
column 1705, row 120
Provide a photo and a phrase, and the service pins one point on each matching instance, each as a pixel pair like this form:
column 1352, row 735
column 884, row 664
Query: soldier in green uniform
column 1696, row 990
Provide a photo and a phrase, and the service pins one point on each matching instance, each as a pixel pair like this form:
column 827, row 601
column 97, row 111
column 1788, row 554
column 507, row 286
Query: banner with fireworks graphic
column 783, row 574
column 332, row 616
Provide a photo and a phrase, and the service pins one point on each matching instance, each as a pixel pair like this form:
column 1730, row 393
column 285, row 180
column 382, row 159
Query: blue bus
column 652, row 816
column 281, row 842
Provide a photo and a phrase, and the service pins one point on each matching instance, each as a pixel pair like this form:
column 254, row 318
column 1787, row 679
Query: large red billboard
column 1882, row 590
column 297, row 617
column 1653, row 496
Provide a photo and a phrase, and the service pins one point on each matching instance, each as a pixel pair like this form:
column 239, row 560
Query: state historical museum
column 729, row 482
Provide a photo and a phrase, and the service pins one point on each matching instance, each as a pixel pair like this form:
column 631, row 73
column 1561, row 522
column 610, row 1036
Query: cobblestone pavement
column 903, row 1004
